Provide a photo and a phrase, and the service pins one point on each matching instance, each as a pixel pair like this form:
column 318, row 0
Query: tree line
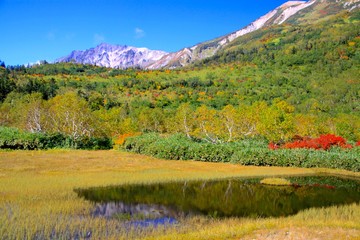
column 72, row 116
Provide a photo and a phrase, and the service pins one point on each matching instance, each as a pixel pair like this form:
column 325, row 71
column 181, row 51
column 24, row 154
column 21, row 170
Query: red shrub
column 357, row 144
column 273, row 146
column 324, row 142
column 305, row 143
column 329, row 140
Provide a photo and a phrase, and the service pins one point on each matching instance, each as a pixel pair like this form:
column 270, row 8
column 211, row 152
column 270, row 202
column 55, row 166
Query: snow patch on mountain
column 352, row 4
column 291, row 8
column 250, row 28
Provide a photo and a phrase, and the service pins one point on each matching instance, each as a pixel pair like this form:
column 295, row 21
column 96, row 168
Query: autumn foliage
column 324, row 142
column 121, row 138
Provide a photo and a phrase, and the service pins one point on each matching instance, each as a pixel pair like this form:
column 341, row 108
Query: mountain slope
column 334, row 41
column 207, row 49
column 296, row 12
column 292, row 12
column 114, row 56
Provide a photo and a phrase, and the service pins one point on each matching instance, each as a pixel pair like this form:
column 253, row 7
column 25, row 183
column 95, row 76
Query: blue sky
column 33, row 30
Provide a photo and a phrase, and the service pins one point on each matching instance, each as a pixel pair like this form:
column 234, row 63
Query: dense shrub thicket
column 246, row 152
column 12, row 138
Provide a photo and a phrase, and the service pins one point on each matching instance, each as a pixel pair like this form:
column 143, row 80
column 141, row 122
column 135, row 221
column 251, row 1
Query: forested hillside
column 274, row 83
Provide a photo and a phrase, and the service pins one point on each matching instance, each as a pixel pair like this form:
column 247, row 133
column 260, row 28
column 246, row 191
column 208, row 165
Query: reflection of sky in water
column 153, row 222
column 221, row 198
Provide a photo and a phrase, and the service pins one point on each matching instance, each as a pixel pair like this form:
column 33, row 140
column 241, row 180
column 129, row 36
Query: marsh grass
column 37, row 200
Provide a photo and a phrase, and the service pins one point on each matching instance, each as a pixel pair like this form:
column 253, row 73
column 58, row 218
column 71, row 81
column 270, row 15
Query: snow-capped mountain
column 115, row 56
column 291, row 10
column 294, row 12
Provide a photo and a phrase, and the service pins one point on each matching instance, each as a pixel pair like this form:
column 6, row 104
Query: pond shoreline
column 37, row 198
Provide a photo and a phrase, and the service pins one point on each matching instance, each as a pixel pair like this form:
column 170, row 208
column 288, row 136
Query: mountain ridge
column 222, row 41
column 278, row 16
column 114, row 56
column 118, row 56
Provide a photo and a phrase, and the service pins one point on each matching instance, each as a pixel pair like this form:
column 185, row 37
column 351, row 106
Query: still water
column 221, row 198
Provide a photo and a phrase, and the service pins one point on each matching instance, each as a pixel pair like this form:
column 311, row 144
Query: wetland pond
column 235, row 197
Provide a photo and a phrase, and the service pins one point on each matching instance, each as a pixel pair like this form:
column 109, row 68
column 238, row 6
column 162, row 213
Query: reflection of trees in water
column 203, row 185
column 230, row 197
column 184, row 188
column 249, row 189
column 228, row 191
column 136, row 210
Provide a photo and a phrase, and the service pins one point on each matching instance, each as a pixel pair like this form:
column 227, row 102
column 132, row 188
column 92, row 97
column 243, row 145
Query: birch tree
column 69, row 114
column 35, row 113
column 183, row 120
column 208, row 124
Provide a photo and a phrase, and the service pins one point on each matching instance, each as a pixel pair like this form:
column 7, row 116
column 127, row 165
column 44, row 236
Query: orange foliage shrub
column 121, row 138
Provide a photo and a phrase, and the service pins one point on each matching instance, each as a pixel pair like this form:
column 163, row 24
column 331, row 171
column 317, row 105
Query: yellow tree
column 183, row 120
column 151, row 120
column 241, row 121
column 69, row 114
column 229, row 118
column 208, row 124
column 348, row 126
column 114, row 121
column 24, row 111
column 248, row 119
column 12, row 111
column 35, row 113
column 277, row 121
column 305, row 125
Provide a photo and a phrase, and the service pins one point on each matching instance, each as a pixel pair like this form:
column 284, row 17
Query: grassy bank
column 37, row 200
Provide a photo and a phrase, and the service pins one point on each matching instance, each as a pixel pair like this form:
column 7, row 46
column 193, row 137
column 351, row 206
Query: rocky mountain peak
column 114, row 56
column 118, row 56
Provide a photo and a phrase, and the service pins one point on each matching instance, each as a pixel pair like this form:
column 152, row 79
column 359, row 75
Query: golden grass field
column 37, row 200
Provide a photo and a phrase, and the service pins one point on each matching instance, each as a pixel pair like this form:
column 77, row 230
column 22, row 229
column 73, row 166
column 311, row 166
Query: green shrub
column 175, row 147
column 246, row 152
column 94, row 143
column 139, row 143
column 12, row 138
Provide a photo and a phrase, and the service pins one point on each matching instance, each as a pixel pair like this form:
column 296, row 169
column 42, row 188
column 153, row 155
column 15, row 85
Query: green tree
column 7, row 85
